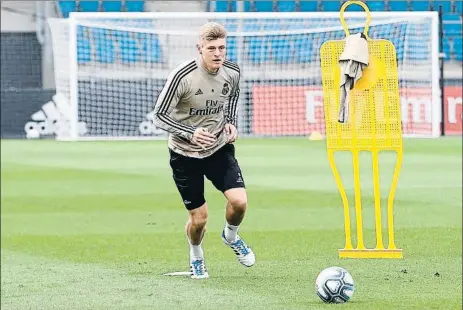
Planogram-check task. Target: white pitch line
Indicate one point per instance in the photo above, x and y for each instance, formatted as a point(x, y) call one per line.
point(177, 273)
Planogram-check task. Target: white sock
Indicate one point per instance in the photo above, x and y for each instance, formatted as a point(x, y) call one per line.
point(196, 251)
point(231, 232)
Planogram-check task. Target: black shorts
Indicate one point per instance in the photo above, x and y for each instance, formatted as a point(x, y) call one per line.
point(221, 168)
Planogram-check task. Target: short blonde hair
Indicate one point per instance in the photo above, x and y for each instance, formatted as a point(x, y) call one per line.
point(212, 31)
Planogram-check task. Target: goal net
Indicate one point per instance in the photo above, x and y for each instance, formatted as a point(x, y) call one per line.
point(110, 68)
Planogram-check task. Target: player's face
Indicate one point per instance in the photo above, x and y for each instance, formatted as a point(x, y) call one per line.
point(213, 53)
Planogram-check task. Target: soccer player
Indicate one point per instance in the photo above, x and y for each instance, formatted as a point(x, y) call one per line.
point(197, 107)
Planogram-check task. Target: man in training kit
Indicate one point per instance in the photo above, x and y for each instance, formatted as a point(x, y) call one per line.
point(197, 106)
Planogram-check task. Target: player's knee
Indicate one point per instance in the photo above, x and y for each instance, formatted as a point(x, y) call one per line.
point(199, 221)
point(198, 217)
point(239, 203)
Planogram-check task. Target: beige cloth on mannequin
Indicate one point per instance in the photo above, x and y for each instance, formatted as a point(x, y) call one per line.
point(353, 60)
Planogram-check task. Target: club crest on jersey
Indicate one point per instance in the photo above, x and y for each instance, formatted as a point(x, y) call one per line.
point(225, 89)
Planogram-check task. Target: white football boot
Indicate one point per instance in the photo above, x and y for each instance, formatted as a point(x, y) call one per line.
point(243, 252)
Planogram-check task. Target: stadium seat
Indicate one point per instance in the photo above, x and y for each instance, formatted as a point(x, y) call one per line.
point(308, 6)
point(333, 6)
point(81, 32)
point(399, 48)
point(154, 50)
point(420, 5)
point(104, 45)
point(246, 6)
point(452, 28)
point(304, 48)
point(422, 48)
point(350, 8)
point(128, 51)
point(379, 6)
point(230, 26)
point(417, 48)
point(395, 5)
point(295, 24)
point(258, 51)
point(451, 25)
point(251, 26)
point(458, 6)
point(232, 50)
point(222, 6)
point(263, 6)
point(446, 48)
point(372, 5)
point(335, 35)
point(105, 51)
point(84, 51)
point(446, 6)
point(272, 27)
point(112, 6)
point(395, 34)
point(286, 6)
point(135, 6)
point(151, 47)
point(458, 48)
point(127, 47)
point(281, 50)
point(84, 47)
point(89, 6)
point(229, 6)
point(451, 18)
point(66, 7)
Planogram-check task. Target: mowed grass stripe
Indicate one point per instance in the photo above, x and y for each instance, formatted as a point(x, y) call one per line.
point(272, 245)
point(172, 219)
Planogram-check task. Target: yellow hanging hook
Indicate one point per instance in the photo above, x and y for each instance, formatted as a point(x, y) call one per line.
point(343, 21)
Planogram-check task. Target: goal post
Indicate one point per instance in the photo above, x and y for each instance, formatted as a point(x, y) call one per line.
point(110, 68)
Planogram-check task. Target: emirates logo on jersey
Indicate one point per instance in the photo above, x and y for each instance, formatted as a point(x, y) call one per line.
point(207, 111)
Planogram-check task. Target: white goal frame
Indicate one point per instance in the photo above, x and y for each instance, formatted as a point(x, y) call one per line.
point(79, 18)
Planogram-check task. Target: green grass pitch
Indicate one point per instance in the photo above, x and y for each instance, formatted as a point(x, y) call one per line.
point(93, 225)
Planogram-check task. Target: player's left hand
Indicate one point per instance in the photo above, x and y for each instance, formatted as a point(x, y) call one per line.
point(232, 133)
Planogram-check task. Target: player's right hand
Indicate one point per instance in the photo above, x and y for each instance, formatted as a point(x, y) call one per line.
point(203, 137)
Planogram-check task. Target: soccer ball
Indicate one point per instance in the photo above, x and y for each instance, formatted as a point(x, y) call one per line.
point(334, 285)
